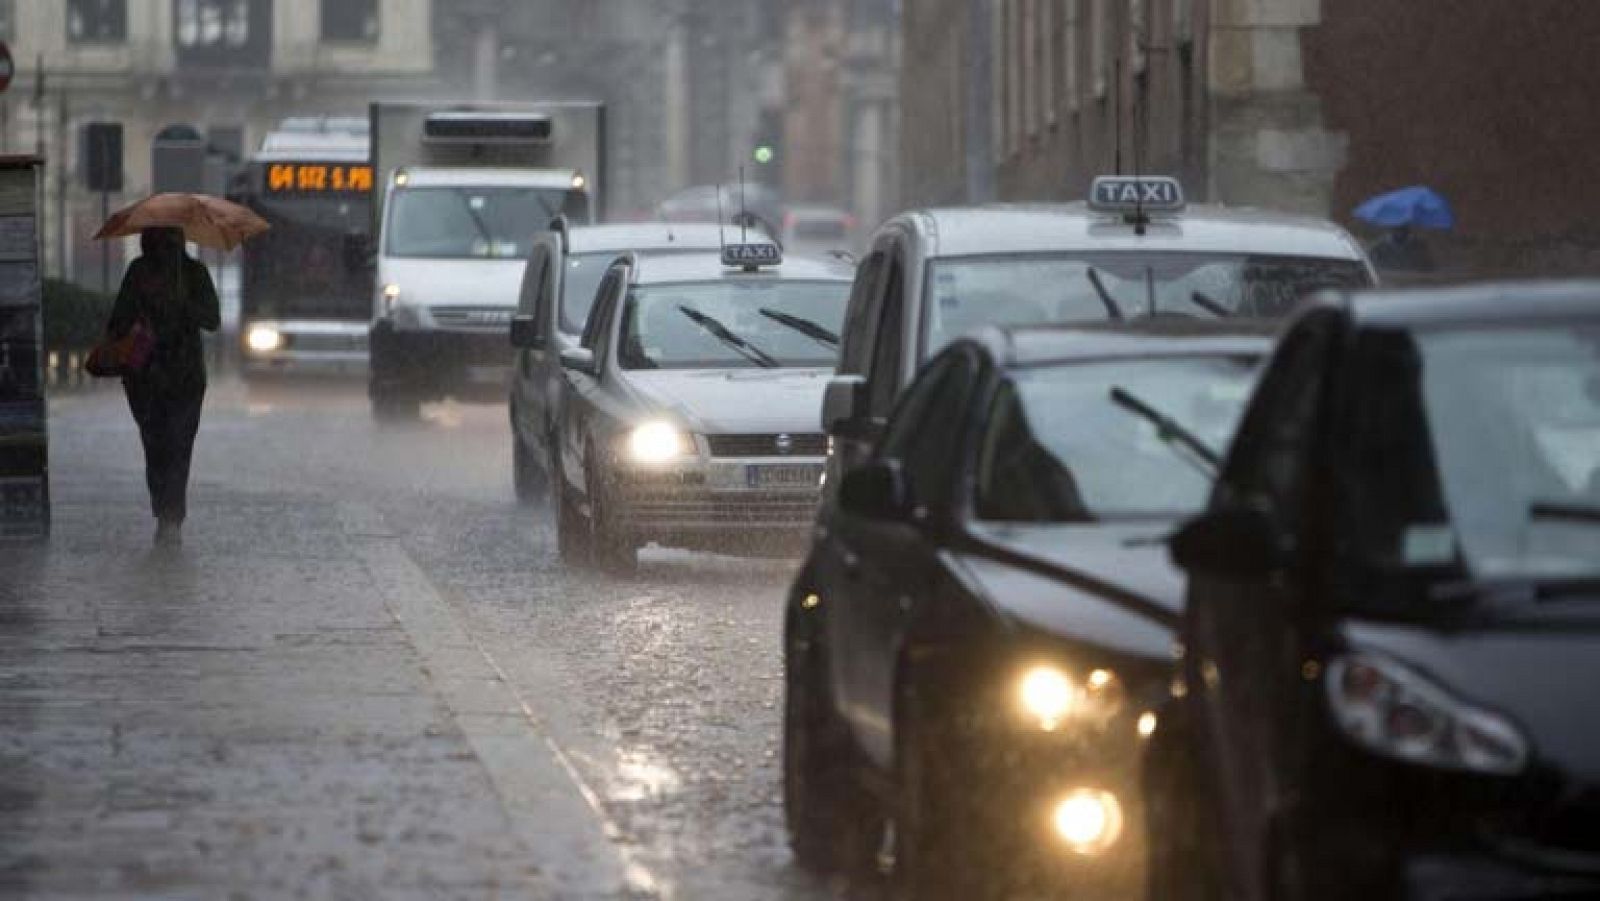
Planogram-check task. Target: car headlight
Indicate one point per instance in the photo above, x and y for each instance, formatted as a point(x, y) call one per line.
point(1050, 696)
point(1390, 710)
point(656, 442)
point(263, 339)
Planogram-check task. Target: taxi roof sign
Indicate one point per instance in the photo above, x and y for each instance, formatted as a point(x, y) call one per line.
point(1136, 195)
point(751, 256)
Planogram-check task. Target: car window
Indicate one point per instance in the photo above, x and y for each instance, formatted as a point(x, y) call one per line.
point(533, 279)
point(1280, 429)
point(884, 375)
point(1065, 444)
point(922, 433)
point(732, 323)
point(596, 321)
point(859, 333)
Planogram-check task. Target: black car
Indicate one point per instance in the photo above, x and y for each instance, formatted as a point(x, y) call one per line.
point(980, 638)
point(1392, 635)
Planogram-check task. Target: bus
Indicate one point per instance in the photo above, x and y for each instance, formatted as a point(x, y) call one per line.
point(305, 286)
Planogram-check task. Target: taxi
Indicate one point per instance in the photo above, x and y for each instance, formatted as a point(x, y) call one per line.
point(689, 415)
point(1134, 249)
point(984, 665)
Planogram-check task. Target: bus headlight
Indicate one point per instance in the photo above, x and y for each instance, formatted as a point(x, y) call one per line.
point(1088, 820)
point(656, 442)
point(263, 339)
point(579, 182)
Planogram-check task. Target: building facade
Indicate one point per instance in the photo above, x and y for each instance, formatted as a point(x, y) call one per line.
point(1303, 105)
point(228, 68)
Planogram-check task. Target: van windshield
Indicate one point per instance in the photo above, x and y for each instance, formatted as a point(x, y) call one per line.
point(968, 293)
point(472, 222)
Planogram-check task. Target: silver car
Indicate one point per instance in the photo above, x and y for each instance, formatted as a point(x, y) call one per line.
point(689, 418)
point(558, 289)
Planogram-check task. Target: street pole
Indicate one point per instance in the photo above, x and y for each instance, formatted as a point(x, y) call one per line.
point(105, 246)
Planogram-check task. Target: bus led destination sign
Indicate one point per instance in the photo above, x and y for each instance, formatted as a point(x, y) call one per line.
point(318, 178)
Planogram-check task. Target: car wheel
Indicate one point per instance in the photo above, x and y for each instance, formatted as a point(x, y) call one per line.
point(611, 548)
point(572, 531)
point(530, 480)
point(835, 826)
point(1183, 861)
point(942, 846)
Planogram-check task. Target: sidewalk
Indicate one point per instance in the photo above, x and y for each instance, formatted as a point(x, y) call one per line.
point(244, 718)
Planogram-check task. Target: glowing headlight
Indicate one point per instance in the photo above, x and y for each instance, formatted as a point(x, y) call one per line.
point(1088, 820)
point(391, 293)
point(655, 442)
point(1047, 695)
point(579, 182)
point(263, 339)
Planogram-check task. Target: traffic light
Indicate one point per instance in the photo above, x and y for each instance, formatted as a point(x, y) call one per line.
point(764, 154)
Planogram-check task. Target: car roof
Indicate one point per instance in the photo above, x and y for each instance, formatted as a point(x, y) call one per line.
point(626, 236)
point(438, 176)
point(1200, 228)
point(677, 268)
point(1057, 344)
point(1488, 303)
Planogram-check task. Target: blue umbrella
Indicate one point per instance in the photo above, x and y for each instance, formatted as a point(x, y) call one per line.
point(1415, 205)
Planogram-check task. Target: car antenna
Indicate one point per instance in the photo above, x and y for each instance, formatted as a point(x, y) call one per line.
point(722, 242)
point(744, 215)
point(661, 213)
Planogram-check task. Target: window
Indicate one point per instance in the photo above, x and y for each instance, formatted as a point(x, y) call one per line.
point(213, 23)
point(889, 345)
point(97, 21)
point(350, 20)
point(1070, 55)
point(8, 17)
point(1029, 53)
point(1049, 43)
point(919, 436)
point(1280, 429)
point(858, 332)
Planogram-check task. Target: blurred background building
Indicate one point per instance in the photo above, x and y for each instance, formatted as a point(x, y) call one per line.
point(1309, 105)
point(801, 93)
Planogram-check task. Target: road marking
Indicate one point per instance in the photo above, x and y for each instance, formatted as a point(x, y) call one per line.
point(558, 815)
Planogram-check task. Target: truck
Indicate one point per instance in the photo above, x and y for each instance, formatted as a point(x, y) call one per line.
point(304, 289)
point(465, 188)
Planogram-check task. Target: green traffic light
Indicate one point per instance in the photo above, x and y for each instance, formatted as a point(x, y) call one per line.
point(764, 154)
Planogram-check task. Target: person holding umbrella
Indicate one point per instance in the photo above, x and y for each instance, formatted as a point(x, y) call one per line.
point(1401, 212)
point(167, 298)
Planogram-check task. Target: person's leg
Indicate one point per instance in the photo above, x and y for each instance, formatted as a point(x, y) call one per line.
point(182, 426)
point(146, 414)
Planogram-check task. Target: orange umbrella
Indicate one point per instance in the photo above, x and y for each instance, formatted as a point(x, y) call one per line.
point(205, 220)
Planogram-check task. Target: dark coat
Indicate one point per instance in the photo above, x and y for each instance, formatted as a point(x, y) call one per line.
point(177, 308)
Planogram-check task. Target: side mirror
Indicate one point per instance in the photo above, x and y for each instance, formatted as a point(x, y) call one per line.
point(843, 402)
point(876, 490)
point(525, 333)
point(1240, 541)
point(578, 359)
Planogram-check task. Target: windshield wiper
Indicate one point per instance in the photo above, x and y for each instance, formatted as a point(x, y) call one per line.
point(1566, 511)
point(726, 335)
point(1112, 310)
point(804, 326)
point(1210, 306)
point(1170, 431)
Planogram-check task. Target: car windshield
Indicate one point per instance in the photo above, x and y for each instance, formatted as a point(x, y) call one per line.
point(471, 223)
point(965, 294)
point(733, 323)
point(1479, 448)
point(1063, 443)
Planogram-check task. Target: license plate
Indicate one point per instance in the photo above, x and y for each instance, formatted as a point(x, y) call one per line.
point(487, 375)
point(783, 476)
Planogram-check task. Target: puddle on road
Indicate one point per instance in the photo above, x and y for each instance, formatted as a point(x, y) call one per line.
point(642, 777)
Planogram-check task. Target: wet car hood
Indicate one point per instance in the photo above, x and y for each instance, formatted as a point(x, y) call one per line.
point(1111, 585)
point(454, 283)
point(1546, 678)
point(722, 401)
